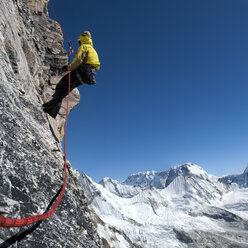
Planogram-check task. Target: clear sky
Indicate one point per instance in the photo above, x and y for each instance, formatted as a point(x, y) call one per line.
point(172, 88)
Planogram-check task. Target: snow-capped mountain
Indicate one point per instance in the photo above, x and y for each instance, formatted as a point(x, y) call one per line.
point(241, 180)
point(161, 180)
point(181, 207)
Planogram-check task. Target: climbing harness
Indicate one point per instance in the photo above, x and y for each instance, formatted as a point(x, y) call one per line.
point(14, 222)
point(87, 74)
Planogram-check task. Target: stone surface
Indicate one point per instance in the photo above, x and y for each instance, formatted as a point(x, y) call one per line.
point(31, 157)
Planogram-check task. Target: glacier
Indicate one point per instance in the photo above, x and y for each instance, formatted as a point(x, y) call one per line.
point(181, 207)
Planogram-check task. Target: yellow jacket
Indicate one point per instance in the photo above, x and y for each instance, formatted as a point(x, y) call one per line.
point(86, 54)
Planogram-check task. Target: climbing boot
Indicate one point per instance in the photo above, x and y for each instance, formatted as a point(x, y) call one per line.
point(52, 107)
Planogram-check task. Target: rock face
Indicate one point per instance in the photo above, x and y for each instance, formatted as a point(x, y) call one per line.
point(31, 169)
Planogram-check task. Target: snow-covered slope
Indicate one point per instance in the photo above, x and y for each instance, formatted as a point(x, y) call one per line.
point(181, 207)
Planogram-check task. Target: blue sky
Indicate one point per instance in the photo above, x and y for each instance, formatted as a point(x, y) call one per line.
point(172, 87)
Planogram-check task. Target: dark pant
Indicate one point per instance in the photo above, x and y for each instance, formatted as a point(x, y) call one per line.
point(84, 74)
point(61, 90)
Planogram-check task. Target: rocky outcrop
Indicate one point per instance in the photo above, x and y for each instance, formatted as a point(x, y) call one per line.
point(201, 239)
point(31, 157)
point(33, 44)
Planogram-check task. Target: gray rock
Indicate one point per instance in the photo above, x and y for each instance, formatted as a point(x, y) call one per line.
point(201, 239)
point(31, 157)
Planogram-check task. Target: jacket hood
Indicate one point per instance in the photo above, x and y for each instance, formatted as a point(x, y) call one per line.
point(85, 40)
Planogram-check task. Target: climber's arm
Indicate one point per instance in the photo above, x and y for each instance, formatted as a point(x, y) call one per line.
point(77, 61)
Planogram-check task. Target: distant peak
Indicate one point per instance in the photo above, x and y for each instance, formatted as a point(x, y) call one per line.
point(144, 173)
point(246, 169)
point(189, 168)
point(188, 165)
point(106, 180)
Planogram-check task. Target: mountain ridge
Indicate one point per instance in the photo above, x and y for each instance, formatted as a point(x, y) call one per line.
point(181, 207)
point(151, 177)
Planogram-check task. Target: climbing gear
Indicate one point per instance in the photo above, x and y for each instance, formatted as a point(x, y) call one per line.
point(87, 73)
point(13, 222)
point(56, 18)
point(23, 233)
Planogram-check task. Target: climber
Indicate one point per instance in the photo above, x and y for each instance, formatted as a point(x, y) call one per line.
point(83, 69)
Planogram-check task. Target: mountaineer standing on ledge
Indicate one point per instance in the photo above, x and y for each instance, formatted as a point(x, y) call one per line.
point(83, 69)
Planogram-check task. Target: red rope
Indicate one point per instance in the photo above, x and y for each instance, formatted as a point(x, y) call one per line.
point(69, 43)
point(13, 222)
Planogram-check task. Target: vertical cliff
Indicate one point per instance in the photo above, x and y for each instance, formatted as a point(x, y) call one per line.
point(31, 158)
